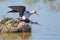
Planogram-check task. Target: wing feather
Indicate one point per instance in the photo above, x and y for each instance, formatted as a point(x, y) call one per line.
point(18, 8)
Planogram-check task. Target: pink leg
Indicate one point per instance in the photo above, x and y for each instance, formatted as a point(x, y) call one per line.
point(23, 28)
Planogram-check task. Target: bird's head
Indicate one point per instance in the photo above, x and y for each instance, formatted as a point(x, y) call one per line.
point(33, 12)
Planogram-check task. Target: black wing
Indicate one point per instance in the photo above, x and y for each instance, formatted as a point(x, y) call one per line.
point(13, 11)
point(20, 9)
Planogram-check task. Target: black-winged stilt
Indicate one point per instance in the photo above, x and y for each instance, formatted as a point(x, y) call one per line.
point(23, 14)
point(22, 11)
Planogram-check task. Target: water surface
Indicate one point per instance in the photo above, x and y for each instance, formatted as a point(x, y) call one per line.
point(49, 19)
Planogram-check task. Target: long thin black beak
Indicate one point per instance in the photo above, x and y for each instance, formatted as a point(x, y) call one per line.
point(37, 14)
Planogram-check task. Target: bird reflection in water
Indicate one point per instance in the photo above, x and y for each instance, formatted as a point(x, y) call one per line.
point(15, 36)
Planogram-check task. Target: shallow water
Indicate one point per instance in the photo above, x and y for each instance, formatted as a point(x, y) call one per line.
point(15, 36)
point(49, 19)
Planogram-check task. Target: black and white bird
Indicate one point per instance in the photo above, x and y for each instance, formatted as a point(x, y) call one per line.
point(22, 11)
point(23, 14)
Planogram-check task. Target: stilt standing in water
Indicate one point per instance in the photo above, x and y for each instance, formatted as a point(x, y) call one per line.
point(23, 14)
